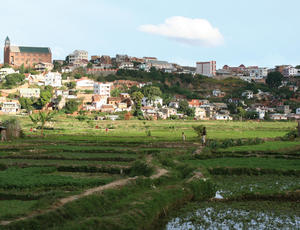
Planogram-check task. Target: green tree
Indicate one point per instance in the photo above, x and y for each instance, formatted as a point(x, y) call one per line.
point(42, 118)
point(89, 65)
point(71, 106)
point(26, 103)
point(115, 92)
point(241, 112)
point(152, 92)
point(137, 98)
point(14, 79)
point(71, 85)
point(22, 69)
point(185, 109)
point(274, 79)
point(45, 98)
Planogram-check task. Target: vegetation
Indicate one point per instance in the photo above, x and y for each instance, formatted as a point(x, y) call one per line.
point(77, 156)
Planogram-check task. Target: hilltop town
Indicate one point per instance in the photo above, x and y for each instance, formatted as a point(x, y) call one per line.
point(121, 87)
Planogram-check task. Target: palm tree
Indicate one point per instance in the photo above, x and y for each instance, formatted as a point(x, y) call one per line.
point(42, 118)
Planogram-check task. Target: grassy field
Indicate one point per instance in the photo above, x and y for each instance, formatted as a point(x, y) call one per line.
point(37, 172)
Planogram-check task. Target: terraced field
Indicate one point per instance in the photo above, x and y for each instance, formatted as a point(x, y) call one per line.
point(125, 179)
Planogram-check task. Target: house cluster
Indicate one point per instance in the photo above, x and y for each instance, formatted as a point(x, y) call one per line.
point(256, 73)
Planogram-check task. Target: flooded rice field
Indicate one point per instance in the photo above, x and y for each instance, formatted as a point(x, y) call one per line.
point(237, 215)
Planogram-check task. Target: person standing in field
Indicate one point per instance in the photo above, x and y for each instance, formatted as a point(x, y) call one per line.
point(183, 137)
point(204, 136)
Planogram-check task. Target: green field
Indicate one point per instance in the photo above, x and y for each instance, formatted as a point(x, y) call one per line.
point(37, 173)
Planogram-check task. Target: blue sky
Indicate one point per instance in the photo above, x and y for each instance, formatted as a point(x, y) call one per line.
point(252, 32)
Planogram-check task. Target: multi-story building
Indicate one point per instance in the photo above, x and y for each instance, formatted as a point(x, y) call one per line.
point(102, 89)
point(206, 68)
point(18, 55)
point(77, 57)
point(30, 92)
point(53, 79)
point(290, 71)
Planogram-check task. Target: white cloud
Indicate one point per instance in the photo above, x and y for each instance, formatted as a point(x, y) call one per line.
point(187, 30)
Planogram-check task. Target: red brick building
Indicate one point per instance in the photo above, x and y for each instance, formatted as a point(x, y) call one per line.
point(18, 55)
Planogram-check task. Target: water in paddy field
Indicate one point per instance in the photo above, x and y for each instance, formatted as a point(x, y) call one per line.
point(210, 218)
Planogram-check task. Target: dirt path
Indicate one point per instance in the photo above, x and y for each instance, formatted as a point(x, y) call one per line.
point(63, 201)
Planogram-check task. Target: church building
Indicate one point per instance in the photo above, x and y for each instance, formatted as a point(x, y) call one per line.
point(18, 55)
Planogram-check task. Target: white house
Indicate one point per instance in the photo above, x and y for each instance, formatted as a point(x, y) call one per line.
point(248, 94)
point(217, 93)
point(289, 71)
point(298, 111)
point(222, 117)
point(30, 92)
point(126, 65)
point(6, 71)
point(53, 79)
point(174, 104)
point(84, 83)
point(278, 116)
point(155, 102)
point(12, 107)
point(102, 89)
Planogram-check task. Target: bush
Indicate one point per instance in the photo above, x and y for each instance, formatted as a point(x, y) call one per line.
point(141, 168)
point(291, 135)
point(3, 167)
point(202, 190)
point(13, 129)
point(198, 129)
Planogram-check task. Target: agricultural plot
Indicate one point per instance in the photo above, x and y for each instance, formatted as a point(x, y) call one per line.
point(162, 171)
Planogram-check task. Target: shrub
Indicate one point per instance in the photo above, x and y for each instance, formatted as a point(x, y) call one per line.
point(140, 168)
point(202, 190)
point(13, 128)
point(3, 167)
point(198, 129)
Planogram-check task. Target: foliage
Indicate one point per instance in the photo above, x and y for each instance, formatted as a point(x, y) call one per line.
point(137, 98)
point(274, 79)
point(202, 190)
point(151, 92)
point(45, 97)
point(42, 118)
point(71, 106)
point(185, 109)
point(141, 168)
point(26, 103)
point(13, 128)
point(71, 85)
point(198, 129)
point(14, 79)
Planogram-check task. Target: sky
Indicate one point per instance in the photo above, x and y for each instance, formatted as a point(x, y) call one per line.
point(233, 32)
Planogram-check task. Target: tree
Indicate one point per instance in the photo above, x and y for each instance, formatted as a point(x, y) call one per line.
point(241, 112)
point(115, 92)
point(42, 118)
point(89, 65)
point(152, 92)
point(71, 85)
point(71, 106)
point(274, 79)
point(186, 109)
point(45, 98)
point(22, 69)
point(137, 98)
point(26, 103)
point(14, 79)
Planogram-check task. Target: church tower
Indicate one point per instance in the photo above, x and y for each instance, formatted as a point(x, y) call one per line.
point(7, 51)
